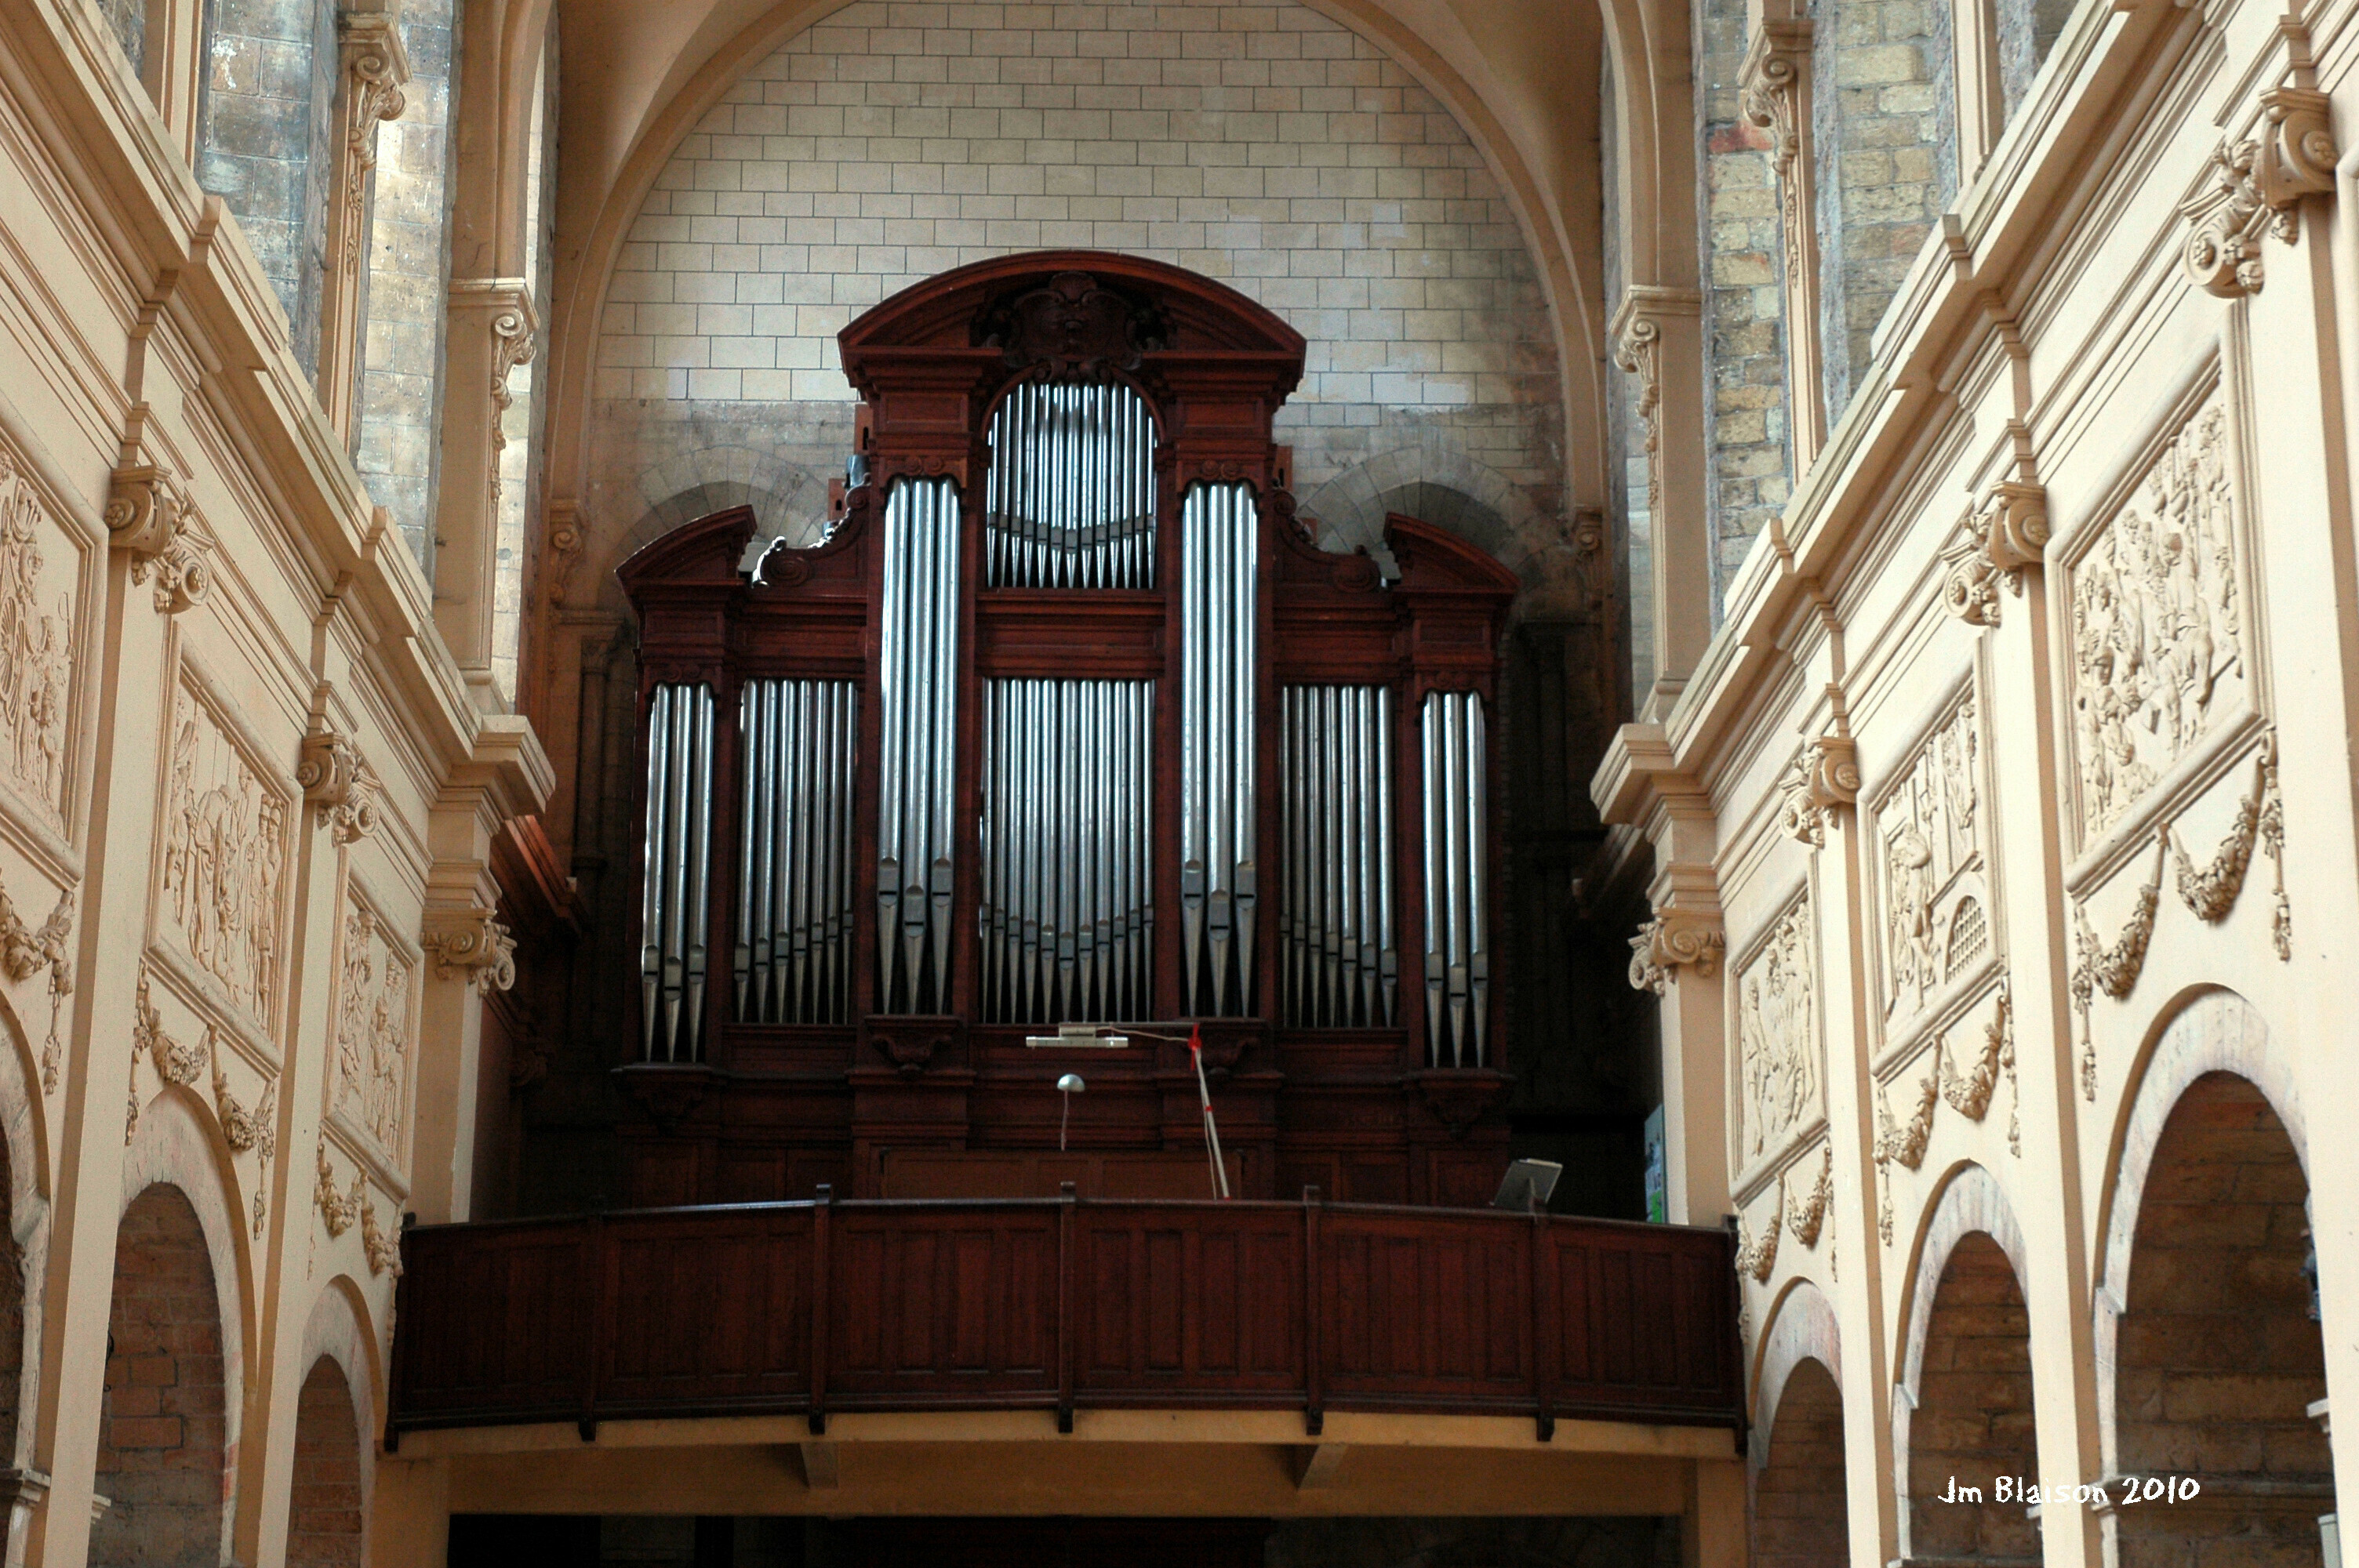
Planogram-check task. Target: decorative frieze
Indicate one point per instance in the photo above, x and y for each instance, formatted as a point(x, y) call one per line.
point(26, 951)
point(338, 785)
point(150, 516)
point(1776, 1033)
point(1675, 939)
point(1825, 776)
point(2258, 187)
point(37, 616)
point(224, 857)
point(373, 1032)
point(468, 945)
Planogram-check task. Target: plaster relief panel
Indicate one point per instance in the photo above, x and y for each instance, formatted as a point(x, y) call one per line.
point(40, 573)
point(1777, 1035)
point(1930, 868)
point(2156, 621)
point(225, 826)
point(374, 1032)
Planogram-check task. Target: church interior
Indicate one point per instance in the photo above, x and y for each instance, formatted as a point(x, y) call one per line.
point(1257, 784)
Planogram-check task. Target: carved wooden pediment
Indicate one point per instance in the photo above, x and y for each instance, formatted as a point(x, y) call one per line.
point(1076, 327)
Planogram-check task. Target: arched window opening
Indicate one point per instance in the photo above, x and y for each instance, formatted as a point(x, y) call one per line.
point(1800, 1508)
point(1971, 1451)
point(324, 1518)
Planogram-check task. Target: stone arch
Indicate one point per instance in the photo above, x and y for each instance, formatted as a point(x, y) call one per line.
point(1435, 482)
point(1801, 1509)
point(1801, 1327)
point(164, 1451)
point(2207, 1352)
point(1961, 1404)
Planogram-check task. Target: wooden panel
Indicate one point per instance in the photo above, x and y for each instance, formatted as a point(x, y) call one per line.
point(494, 1322)
point(1188, 1300)
point(669, 1337)
point(955, 1300)
point(1438, 1307)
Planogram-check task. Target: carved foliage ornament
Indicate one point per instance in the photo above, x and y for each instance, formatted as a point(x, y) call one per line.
point(384, 1250)
point(37, 660)
point(468, 945)
point(337, 1209)
point(252, 1131)
point(338, 784)
point(1673, 938)
point(2155, 624)
point(1776, 1034)
point(376, 66)
point(1995, 543)
point(2257, 185)
point(1075, 327)
point(149, 514)
point(1826, 776)
point(1903, 1142)
point(26, 951)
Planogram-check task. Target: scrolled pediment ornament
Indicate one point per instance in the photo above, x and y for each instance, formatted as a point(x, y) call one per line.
point(1075, 327)
point(1825, 776)
point(150, 516)
point(1675, 939)
point(468, 945)
point(2257, 188)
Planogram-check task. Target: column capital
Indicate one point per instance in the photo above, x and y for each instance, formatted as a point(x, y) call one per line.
point(2258, 183)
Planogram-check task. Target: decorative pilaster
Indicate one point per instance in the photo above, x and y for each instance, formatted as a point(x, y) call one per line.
point(493, 328)
point(468, 944)
point(1657, 337)
point(1775, 89)
point(151, 518)
point(2258, 187)
point(374, 66)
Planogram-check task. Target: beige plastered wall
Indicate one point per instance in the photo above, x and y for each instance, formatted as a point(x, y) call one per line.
point(1900, 721)
point(242, 797)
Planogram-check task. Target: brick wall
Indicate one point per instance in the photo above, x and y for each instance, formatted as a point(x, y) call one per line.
point(160, 1451)
point(408, 283)
point(1972, 1420)
point(2028, 29)
point(262, 133)
point(1262, 144)
point(1798, 1508)
point(1886, 145)
point(324, 1526)
point(1744, 302)
point(12, 1315)
point(2218, 1356)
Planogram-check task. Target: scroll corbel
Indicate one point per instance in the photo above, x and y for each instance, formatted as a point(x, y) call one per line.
point(468, 944)
point(1675, 939)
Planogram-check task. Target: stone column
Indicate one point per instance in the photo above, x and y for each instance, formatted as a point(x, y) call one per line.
point(372, 68)
point(157, 569)
point(1658, 336)
point(1775, 86)
point(491, 330)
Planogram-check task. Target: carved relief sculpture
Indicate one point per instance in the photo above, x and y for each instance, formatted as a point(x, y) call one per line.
point(224, 859)
point(1674, 938)
point(37, 661)
point(1776, 1033)
point(2157, 651)
point(1936, 903)
point(468, 945)
point(2258, 187)
point(373, 1032)
point(26, 951)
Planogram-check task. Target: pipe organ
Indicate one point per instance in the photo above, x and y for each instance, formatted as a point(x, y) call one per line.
point(1067, 730)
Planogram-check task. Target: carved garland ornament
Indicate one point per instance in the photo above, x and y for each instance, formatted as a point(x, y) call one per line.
point(1755, 1259)
point(1969, 1093)
point(1903, 1144)
point(255, 1131)
point(2111, 967)
point(1674, 938)
point(149, 516)
point(384, 1251)
point(37, 661)
point(174, 1061)
point(337, 1209)
point(468, 945)
point(1826, 776)
point(2256, 188)
point(26, 951)
point(1806, 1217)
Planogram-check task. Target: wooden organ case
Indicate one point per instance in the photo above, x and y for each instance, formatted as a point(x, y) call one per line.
point(1068, 723)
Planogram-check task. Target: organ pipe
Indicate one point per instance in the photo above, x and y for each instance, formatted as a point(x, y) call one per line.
point(1066, 835)
point(1219, 538)
point(679, 854)
point(793, 958)
point(1457, 949)
point(1339, 965)
point(918, 707)
point(1071, 500)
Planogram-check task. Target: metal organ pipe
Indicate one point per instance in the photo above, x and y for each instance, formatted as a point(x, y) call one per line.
point(1457, 946)
point(673, 917)
point(794, 901)
point(1336, 926)
point(1071, 500)
point(1220, 535)
point(918, 692)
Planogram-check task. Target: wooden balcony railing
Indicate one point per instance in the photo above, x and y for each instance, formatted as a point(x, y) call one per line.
point(811, 1308)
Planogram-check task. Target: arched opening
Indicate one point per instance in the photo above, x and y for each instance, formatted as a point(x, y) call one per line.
point(163, 1431)
point(323, 1525)
point(1800, 1513)
point(1972, 1450)
point(2220, 1354)
point(12, 1313)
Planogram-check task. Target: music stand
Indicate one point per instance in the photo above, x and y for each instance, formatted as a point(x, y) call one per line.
point(1525, 1187)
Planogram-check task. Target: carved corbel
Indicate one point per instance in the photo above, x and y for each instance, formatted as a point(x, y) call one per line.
point(468, 945)
point(563, 547)
point(1774, 88)
point(338, 785)
point(374, 66)
point(1638, 349)
point(151, 517)
point(2258, 187)
point(1674, 939)
point(1826, 776)
point(514, 339)
point(2006, 532)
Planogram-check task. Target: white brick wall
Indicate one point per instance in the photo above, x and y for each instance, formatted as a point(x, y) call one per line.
point(1259, 144)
